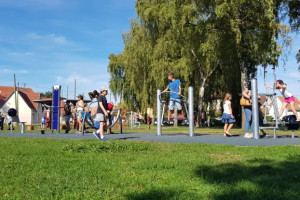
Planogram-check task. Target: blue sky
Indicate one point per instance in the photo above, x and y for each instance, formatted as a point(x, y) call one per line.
point(50, 42)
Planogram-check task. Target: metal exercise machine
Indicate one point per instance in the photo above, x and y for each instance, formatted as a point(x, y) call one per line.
point(290, 123)
point(189, 108)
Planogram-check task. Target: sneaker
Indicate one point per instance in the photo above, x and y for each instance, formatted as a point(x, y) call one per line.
point(246, 135)
point(251, 135)
point(103, 139)
point(97, 135)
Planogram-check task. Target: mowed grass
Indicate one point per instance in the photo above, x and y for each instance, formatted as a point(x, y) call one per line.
point(36, 168)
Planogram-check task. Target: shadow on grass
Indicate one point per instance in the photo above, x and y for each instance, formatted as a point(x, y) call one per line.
point(254, 179)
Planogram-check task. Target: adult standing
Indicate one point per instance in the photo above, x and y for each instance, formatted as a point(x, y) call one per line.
point(102, 114)
point(68, 113)
point(248, 112)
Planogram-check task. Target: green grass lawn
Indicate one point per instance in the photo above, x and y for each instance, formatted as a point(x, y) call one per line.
point(39, 168)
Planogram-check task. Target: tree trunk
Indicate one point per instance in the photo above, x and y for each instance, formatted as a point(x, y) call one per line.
point(244, 84)
point(201, 102)
point(175, 116)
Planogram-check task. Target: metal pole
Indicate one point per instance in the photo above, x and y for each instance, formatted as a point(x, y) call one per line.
point(255, 115)
point(51, 110)
point(158, 113)
point(120, 123)
point(131, 120)
point(15, 92)
point(75, 88)
point(191, 111)
point(58, 123)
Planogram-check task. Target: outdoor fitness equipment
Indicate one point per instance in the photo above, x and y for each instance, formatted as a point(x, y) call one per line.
point(133, 119)
point(189, 110)
point(12, 113)
point(87, 118)
point(182, 99)
point(290, 121)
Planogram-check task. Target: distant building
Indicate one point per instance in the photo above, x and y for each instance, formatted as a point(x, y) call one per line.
point(28, 111)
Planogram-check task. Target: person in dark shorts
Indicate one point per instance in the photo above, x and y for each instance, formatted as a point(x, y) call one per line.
point(68, 113)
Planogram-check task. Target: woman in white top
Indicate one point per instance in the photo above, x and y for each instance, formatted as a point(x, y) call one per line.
point(79, 110)
point(288, 97)
point(227, 117)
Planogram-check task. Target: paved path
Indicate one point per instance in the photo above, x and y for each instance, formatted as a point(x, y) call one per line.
point(237, 140)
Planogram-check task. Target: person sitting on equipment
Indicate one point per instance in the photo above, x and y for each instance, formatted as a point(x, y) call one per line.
point(288, 97)
point(174, 86)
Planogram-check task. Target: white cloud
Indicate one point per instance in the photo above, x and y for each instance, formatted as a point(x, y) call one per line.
point(49, 38)
point(295, 75)
point(18, 54)
point(85, 83)
point(71, 78)
point(13, 71)
point(43, 4)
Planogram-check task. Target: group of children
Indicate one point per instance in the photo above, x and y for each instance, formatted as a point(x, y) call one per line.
point(228, 118)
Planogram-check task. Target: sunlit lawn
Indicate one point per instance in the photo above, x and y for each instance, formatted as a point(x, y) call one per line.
point(39, 168)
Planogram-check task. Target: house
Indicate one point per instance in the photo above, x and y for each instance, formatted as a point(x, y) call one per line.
point(268, 108)
point(28, 111)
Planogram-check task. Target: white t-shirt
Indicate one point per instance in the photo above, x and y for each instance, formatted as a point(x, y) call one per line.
point(285, 93)
point(226, 107)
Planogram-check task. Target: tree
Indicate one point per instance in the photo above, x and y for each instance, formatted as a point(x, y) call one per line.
point(47, 94)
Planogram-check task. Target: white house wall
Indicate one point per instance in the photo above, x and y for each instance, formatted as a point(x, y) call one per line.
point(25, 113)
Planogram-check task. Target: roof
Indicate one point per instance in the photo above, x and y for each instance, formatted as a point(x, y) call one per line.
point(26, 93)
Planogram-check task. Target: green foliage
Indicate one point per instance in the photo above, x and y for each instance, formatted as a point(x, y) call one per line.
point(39, 168)
point(47, 94)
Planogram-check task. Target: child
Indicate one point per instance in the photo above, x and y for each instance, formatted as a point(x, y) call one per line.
point(79, 110)
point(288, 97)
point(149, 122)
point(110, 108)
point(227, 117)
point(102, 114)
point(43, 121)
point(175, 87)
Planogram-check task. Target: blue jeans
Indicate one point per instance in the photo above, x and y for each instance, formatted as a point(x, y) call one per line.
point(248, 122)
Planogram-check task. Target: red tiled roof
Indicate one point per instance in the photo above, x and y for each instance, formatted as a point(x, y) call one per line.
point(27, 94)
